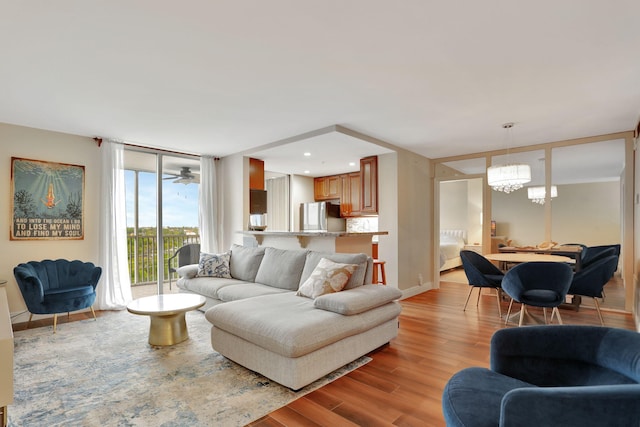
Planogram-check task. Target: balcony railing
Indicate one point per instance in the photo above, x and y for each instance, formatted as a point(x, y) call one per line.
point(143, 256)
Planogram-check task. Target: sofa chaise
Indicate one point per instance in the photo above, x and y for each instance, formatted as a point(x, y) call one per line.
point(264, 318)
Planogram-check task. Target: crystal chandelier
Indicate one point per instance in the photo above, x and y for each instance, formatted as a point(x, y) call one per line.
point(539, 194)
point(509, 177)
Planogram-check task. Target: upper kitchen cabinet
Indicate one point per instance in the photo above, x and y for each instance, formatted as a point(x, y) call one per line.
point(369, 185)
point(327, 187)
point(357, 191)
point(256, 174)
point(350, 198)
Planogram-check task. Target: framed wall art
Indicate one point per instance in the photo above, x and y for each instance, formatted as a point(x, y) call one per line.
point(47, 200)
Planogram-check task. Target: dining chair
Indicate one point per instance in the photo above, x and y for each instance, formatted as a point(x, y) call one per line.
point(590, 281)
point(539, 284)
point(595, 253)
point(481, 273)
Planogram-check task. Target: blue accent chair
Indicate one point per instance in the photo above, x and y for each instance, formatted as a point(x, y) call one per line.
point(538, 284)
point(481, 273)
point(52, 287)
point(590, 281)
point(586, 376)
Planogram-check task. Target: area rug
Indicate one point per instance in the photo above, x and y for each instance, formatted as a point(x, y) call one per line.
point(104, 372)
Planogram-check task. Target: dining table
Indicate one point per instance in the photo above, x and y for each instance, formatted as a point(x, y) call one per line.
point(572, 251)
point(505, 259)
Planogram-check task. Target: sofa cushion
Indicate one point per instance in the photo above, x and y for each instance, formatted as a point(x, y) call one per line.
point(328, 277)
point(281, 268)
point(245, 262)
point(246, 290)
point(207, 286)
point(358, 276)
point(289, 325)
point(358, 300)
point(214, 265)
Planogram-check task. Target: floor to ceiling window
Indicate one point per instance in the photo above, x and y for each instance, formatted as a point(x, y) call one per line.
point(162, 212)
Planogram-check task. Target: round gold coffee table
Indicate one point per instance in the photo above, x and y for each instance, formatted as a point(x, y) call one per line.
point(167, 313)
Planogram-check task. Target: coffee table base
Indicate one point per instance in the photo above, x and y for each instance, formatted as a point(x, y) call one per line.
point(168, 329)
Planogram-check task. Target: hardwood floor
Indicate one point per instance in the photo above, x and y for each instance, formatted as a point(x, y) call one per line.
point(403, 384)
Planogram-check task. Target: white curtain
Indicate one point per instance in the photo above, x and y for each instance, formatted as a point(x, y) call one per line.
point(278, 203)
point(114, 288)
point(210, 206)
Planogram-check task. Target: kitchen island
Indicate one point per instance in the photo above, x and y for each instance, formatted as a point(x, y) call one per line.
point(323, 241)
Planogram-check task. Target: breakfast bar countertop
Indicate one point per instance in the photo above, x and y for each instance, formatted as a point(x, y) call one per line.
point(314, 233)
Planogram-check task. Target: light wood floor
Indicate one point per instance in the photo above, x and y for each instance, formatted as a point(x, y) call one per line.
point(403, 384)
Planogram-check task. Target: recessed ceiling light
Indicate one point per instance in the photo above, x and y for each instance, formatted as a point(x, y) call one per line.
point(307, 154)
point(307, 171)
point(352, 163)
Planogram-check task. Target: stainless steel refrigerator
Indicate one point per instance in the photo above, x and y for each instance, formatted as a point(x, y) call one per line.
point(321, 216)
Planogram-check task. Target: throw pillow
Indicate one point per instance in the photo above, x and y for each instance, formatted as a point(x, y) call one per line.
point(326, 278)
point(214, 265)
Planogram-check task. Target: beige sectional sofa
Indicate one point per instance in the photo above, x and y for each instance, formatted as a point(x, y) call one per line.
point(259, 322)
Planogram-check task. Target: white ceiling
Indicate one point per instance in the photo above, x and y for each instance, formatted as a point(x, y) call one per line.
point(222, 77)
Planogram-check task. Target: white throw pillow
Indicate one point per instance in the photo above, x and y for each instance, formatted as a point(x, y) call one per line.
point(214, 265)
point(326, 278)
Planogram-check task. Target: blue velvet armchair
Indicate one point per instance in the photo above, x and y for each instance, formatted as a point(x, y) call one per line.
point(60, 286)
point(551, 376)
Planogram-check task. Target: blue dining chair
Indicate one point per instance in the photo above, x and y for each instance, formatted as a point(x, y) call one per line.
point(539, 284)
point(590, 281)
point(481, 273)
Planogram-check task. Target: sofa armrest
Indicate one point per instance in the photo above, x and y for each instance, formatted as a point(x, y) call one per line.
point(188, 271)
point(357, 300)
point(584, 406)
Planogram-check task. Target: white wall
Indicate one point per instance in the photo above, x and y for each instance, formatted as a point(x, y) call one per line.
point(16, 141)
point(412, 221)
point(474, 203)
point(594, 207)
point(454, 205)
point(461, 207)
point(582, 213)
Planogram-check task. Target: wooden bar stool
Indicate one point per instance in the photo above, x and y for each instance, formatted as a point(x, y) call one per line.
point(377, 278)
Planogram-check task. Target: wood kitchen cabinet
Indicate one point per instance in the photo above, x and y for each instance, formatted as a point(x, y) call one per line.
point(369, 185)
point(350, 197)
point(357, 191)
point(327, 187)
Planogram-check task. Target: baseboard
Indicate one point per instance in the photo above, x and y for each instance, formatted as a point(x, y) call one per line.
point(416, 290)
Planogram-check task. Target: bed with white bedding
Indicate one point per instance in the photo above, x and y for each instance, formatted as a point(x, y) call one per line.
point(451, 243)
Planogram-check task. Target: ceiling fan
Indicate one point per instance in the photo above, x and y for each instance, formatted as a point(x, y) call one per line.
point(185, 176)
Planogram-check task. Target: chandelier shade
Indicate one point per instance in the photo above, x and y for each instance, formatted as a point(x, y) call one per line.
point(539, 194)
point(508, 178)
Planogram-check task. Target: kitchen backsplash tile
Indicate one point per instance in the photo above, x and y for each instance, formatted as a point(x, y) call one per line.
point(362, 224)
